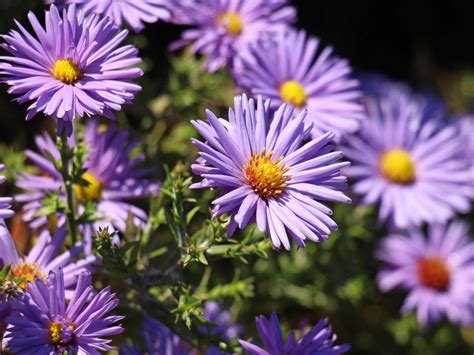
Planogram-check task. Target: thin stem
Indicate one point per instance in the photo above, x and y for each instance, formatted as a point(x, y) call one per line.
point(68, 184)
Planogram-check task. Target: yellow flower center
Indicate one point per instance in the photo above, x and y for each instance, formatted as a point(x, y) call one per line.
point(91, 192)
point(27, 271)
point(265, 176)
point(398, 166)
point(66, 70)
point(433, 272)
point(56, 330)
point(293, 93)
point(232, 21)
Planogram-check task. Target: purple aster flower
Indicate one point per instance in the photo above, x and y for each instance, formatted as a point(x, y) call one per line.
point(5, 202)
point(437, 270)
point(43, 322)
point(114, 178)
point(268, 174)
point(44, 257)
point(74, 67)
point(158, 339)
point(222, 318)
point(407, 158)
point(293, 68)
point(223, 29)
point(135, 12)
point(319, 340)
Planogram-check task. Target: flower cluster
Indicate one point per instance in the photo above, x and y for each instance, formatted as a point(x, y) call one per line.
point(302, 130)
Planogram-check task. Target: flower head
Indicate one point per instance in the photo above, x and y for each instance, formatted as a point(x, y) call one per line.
point(406, 158)
point(437, 270)
point(214, 313)
point(44, 257)
point(134, 12)
point(291, 68)
point(42, 319)
point(5, 202)
point(222, 30)
point(158, 339)
point(74, 66)
point(319, 340)
point(268, 174)
point(113, 176)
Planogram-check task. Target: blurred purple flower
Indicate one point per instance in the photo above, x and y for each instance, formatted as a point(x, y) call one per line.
point(74, 67)
point(438, 272)
point(407, 158)
point(42, 321)
point(134, 12)
point(44, 257)
point(158, 339)
point(5, 202)
point(268, 173)
point(465, 124)
point(318, 341)
point(223, 29)
point(293, 68)
point(222, 318)
point(114, 177)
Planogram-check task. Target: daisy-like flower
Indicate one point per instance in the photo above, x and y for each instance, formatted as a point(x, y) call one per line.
point(268, 174)
point(222, 318)
point(43, 322)
point(44, 257)
point(5, 202)
point(134, 12)
point(437, 270)
point(114, 178)
point(293, 68)
point(75, 66)
point(158, 339)
point(223, 29)
point(319, 340)
point(406, 158)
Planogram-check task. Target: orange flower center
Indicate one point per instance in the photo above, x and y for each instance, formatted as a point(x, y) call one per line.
point(265, 176)
point(28, 272)
point(433, 272)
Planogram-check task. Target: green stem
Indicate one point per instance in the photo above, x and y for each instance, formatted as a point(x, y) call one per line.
point(69, 188)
